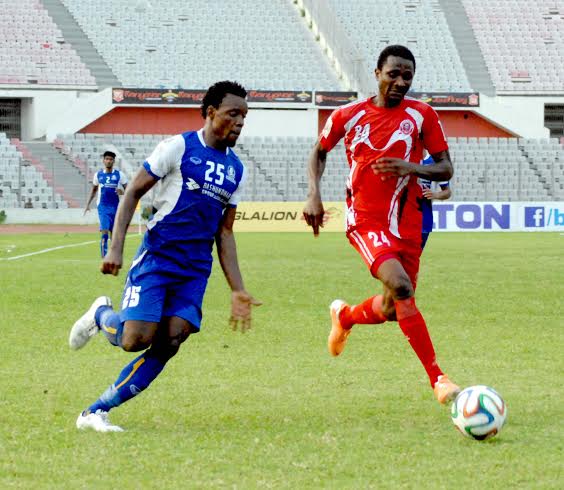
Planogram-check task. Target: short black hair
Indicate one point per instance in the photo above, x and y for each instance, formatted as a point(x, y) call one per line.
point(216, 93)
point(395, 50)
point(110, 154)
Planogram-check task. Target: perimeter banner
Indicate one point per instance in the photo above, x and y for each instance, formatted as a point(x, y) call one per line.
point(442, 99)
point(285, 216)
point(157, 96)
point(293, 96)
point(334, 99)
point(448, 216)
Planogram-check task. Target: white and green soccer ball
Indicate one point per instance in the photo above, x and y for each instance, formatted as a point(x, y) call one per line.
point(479, 412)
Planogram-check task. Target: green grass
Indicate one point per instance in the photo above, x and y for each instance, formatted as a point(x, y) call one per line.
point(270, 408)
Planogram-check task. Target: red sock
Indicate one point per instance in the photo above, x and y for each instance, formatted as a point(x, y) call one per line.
point(367, 312)
point(413, 327)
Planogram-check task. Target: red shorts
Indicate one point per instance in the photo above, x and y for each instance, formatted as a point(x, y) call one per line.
point(376, 245)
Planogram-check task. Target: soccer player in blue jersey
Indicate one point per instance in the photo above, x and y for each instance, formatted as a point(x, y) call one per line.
point(430, 190)
point(201, 180)
point(107, 184)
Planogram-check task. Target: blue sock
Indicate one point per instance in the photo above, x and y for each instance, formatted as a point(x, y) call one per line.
point(110, 324)
point(134, 378)
point(104, 244)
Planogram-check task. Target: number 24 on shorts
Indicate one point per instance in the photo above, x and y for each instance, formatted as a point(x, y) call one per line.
point(131, 297)
point(379, 240)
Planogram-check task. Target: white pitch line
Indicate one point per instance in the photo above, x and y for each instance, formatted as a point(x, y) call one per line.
point(44, 251)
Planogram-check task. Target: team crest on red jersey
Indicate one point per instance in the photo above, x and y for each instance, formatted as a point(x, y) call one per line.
point(407, 127)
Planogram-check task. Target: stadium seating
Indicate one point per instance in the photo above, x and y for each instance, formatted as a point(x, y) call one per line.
point(192, 45)
point(33, 50)
point(419, 25)
point(522, 42)
point(85, 151)
point(21, 180)
point(486, 169)
point(496, 169)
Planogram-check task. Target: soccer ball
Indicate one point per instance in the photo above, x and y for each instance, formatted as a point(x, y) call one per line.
point(479, 412)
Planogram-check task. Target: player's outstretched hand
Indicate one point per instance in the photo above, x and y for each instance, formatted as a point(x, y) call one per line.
point(241, 304)
point(112, 263)
point(313, 214)
point(389, 167)
point(85, 211)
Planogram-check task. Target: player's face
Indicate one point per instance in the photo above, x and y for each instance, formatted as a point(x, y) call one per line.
point(228, 119)
point(395, 79)
point(108, 162)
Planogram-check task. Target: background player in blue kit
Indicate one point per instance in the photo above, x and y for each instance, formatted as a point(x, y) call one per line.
point(107, 184)
point(201, 183)
point(437, 190)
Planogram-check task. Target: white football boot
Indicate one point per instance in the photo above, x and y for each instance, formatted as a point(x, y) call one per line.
point(99, 421)
point(85, 327)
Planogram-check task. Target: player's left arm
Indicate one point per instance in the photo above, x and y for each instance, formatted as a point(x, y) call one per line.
point(434, 140)
point(442, 169)
point(241, 300)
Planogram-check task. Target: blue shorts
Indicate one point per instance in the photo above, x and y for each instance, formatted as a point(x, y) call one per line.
point(106, 217)
point(150, 294)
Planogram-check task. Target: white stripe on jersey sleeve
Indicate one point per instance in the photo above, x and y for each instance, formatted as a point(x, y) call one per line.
point(236, 196)
point(95, 179)
point(166, 156)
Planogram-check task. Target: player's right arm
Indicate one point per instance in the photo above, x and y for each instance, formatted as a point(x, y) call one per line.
point(313, 209)
point(333, 131)
point(141, 184)
point(92, 193)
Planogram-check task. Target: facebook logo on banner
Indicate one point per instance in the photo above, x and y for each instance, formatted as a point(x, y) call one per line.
point(534, 217)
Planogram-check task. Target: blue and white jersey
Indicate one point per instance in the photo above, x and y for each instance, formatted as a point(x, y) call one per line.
point(108, 184)
point(197, 183)
point(427, 204)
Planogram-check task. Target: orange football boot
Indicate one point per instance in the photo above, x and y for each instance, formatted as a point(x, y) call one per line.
point(338, 335)
point(445, 390)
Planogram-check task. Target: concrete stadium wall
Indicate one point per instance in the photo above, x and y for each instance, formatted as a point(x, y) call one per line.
point(40, 107)
point(522, 115)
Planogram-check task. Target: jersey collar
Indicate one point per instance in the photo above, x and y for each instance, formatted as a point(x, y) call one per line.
point(200, 134)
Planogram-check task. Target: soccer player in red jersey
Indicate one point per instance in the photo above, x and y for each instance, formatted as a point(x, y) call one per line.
point(385, 137)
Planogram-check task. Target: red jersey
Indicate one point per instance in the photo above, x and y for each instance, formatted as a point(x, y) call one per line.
point(373, 132)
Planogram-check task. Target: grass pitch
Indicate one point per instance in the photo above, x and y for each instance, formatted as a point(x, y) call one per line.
point(271, 409)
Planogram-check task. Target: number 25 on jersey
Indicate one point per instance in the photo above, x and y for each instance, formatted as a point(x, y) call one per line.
point(215, 173)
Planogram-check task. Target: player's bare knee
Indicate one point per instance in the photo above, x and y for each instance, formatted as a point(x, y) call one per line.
point(135, 341)
point(176, 340)
point(401, 288)
point(178, 331)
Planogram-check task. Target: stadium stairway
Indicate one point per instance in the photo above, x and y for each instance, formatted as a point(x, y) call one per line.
point(75, 36)
point(253, 165)
point(467, 46)
point(548, 186)
point(58, 172)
